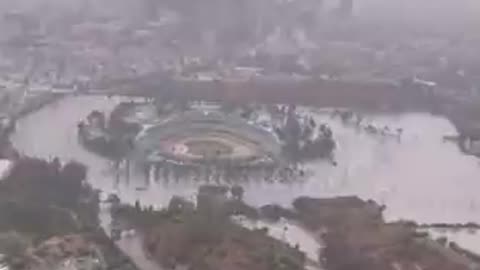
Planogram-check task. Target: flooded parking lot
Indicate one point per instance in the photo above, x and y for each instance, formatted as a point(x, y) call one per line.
point(418, 177)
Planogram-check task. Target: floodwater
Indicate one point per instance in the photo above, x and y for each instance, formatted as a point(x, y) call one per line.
point(467, 239)
point(418, 177)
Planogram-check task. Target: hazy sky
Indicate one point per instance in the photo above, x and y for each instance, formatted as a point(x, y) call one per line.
point(446, 9)
point(433, 12)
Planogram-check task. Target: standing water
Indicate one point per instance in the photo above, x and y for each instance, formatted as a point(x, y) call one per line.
point(418, 177)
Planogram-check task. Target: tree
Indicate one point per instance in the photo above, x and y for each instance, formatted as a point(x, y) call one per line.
point(138, 207)
point(56, 165)
point(237, 192)
point(97, 116)
point(75, 173)
point(70, 182)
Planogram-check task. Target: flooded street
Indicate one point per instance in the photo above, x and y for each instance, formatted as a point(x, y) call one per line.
point(418, 177)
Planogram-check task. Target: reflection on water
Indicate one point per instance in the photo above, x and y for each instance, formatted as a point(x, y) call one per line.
point(420, 178)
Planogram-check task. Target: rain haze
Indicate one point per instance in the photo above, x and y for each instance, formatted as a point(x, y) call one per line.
point(239, 134)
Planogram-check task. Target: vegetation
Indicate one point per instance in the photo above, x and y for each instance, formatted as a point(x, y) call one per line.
point(206, 237)
point(40, 199)
point(212, 242)
point(111, 141)
point(356, 237)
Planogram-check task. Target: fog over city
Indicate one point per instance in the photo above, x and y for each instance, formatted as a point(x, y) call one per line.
point(239, 134)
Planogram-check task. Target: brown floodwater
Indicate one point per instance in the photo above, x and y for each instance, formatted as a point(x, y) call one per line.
point(419, 177)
